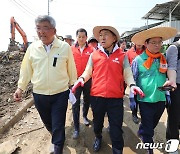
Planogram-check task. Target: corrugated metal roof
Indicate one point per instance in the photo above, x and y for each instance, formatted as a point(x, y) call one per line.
point(161, 11)
point(128, 34)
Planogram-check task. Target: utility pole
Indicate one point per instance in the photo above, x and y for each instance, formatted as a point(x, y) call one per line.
point(48, 7)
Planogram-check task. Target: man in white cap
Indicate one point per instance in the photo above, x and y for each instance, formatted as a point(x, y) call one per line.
point(149, 71)
point(109, 68)
point(68, 39)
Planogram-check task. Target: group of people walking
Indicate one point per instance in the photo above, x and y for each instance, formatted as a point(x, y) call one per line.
point(101, 72)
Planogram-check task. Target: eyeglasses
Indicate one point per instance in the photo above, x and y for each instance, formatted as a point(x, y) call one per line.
point(156, 43)
point(38, 29)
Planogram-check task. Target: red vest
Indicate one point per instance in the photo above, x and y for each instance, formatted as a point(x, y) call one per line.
point(81, 59)
point(131, 54)
point(107, 76)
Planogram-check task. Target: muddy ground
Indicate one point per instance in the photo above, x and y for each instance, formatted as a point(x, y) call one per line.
point(9, 72)
point(29, 136)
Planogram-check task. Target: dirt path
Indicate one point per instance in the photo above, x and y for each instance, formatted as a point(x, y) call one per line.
point(29, 136)
point(38, 141)
point(32, 138)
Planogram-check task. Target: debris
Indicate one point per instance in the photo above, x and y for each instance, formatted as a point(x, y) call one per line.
point(8, 147)
point(10, 67)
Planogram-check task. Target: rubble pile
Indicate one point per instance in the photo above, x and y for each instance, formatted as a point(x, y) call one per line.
point(9, 73)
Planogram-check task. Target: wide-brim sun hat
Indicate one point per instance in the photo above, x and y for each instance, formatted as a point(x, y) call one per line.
point(68, 37)
point(97, 29)
point(164, 32)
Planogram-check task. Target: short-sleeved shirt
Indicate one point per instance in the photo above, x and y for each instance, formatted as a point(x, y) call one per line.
point(172, 60)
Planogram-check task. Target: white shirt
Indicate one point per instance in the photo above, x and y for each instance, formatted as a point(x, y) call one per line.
point(48, 47)
point(81, 49)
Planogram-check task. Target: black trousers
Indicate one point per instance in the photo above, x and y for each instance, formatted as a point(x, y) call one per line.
point(86, 103)
point(150, 116)
point(52, 110)
point(172, 131)
point(115, 111)
point(134, 112)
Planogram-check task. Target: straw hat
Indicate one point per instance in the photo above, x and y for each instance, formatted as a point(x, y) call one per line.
point(97, 29)
point(164, 32)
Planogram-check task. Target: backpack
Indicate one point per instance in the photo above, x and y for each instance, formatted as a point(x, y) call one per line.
point(177, 44)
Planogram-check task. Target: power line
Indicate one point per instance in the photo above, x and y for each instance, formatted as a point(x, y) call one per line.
point(29, 2)
point(28, 7)
point(24, 10)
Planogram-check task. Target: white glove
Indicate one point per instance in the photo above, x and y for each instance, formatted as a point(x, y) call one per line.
point(136, 90)
point(79, 82)
point(72, 98)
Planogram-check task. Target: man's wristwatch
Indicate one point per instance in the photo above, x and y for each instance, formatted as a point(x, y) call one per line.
point(132, 85)
point(82, 78)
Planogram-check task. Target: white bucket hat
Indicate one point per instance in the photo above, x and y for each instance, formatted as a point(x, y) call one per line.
point(68, 37)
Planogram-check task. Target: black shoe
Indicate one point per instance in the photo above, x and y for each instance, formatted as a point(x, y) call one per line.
point(135, 119)
point(97, 144)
